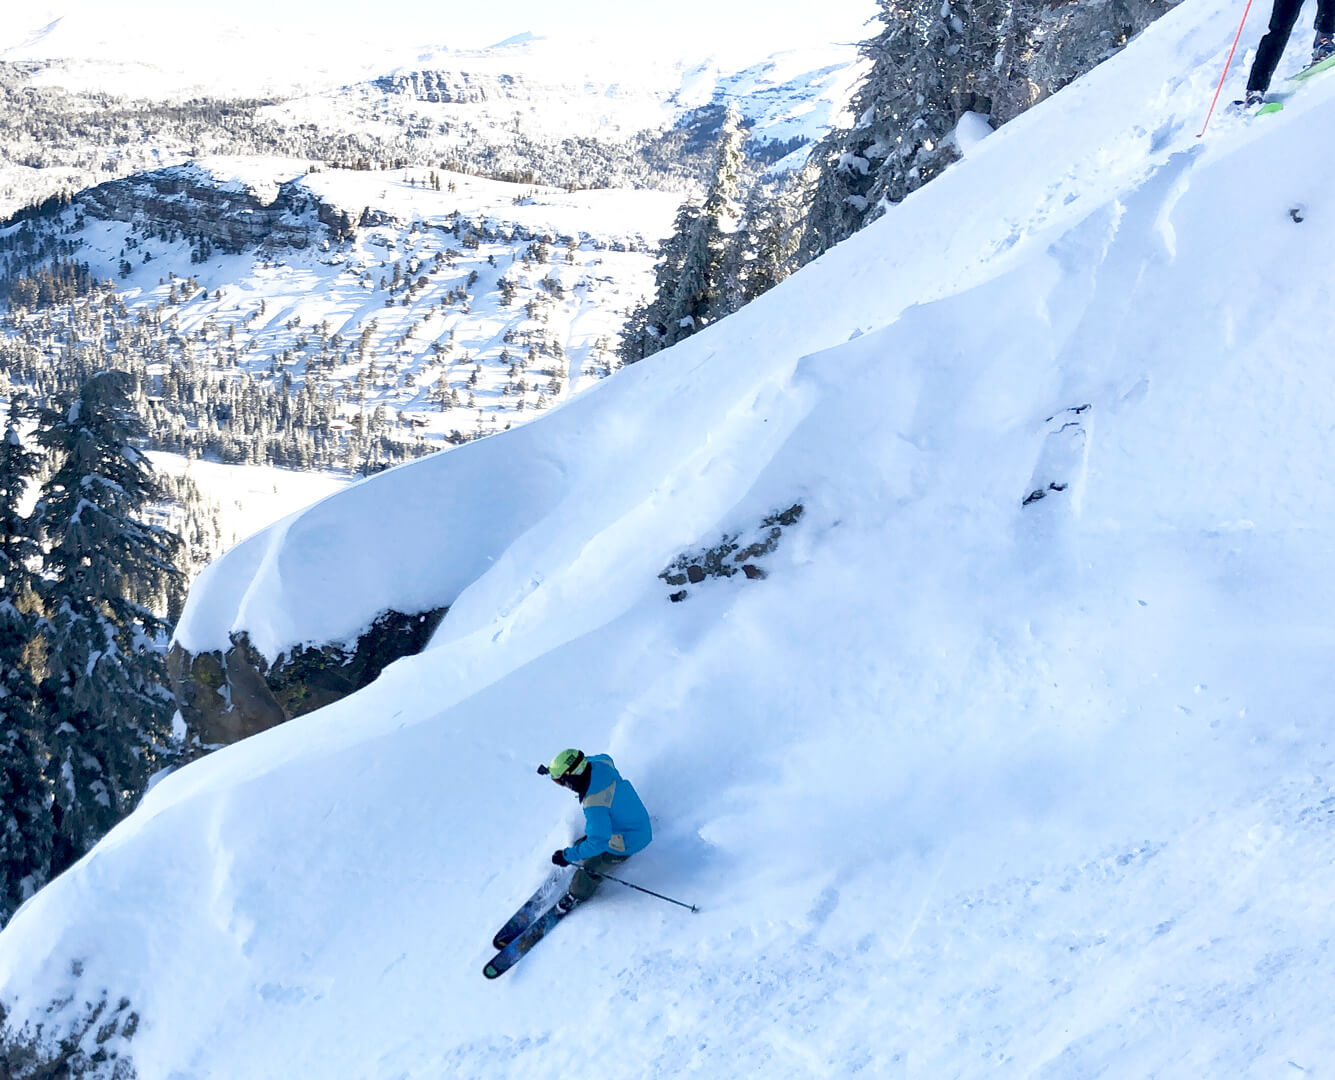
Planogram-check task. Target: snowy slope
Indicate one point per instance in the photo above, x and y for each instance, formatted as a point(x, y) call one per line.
point(273, 310)
point(964, 787)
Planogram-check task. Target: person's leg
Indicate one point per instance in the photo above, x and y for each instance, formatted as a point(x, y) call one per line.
point(585, 884)
point(1325, 18)
point(1323, 48)
point(1282, 21)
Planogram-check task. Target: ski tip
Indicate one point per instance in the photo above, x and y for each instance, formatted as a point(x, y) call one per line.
point(491, 971)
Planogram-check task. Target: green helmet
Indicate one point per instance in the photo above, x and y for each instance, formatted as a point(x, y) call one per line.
point(568, 763)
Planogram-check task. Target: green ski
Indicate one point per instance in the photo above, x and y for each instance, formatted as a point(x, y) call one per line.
point(1277, 105)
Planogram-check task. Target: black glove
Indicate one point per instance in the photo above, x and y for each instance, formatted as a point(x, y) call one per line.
point(559, 858)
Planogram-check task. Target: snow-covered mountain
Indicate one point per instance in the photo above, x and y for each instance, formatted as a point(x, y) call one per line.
point(570, 109)
point(1013, 760)
point(453, 305)
point(564, 87)
point(151, 49)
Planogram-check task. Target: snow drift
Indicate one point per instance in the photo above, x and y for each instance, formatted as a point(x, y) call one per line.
point(973, 782)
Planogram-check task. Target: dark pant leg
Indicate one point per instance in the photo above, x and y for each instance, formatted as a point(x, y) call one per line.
point(1325, 17)
point(584, 884)
point(1282, 21)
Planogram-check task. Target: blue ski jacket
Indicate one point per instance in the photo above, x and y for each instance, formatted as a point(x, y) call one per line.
point(615, 820)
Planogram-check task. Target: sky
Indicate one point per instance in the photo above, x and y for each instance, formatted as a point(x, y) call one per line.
point(255, 47)
point(776, 23)
point(781, 20)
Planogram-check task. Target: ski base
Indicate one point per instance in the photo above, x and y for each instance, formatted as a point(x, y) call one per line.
point(533, 906)
point(509, 956)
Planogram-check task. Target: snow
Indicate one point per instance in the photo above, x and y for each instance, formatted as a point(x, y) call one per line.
point(972, 129)
point(272, 304)
point(592, 85)
point(588, 80)
point(964, 787)
point(250, 498)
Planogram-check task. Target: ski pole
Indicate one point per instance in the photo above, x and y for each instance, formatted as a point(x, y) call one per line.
point(609, 877)
point(1227, 64)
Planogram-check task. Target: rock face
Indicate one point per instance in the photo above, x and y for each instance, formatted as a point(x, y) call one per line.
point(84, 1038)
point(734, 553)
point(227, 696)
point(225, 214)
point(458, 87)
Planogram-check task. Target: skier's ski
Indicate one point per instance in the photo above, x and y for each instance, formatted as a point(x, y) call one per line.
point(1275, 103)
point(1315, 69)
point(509, 956)
point(535, 904)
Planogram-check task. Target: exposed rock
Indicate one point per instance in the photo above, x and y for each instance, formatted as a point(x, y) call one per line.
point(731, 554)
point(227, 215)
point(59, 1048)
point(458, 87)
point(227, 696)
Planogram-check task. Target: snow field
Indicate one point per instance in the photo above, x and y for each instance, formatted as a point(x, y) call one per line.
point(250, 498)
point(964, 787)
point(288, 302)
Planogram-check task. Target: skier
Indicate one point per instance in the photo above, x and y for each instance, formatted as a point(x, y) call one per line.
point(616, 824)
point(1282, 20)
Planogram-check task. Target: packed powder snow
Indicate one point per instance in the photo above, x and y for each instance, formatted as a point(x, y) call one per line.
point(970, 782)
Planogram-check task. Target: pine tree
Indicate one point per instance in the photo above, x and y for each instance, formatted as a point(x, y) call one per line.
point(763, 251)
point(26, 826)
point(689, 276)
point(104, 685)
point(721, 215)
point(18, 542)
point(848, 163)
point(933, 62)
point(646, 331)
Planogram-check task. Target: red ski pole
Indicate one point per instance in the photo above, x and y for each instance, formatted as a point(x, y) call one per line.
point(1227, 64)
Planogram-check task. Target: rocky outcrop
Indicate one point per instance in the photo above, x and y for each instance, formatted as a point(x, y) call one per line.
point(735, 553)
point(86, 1039)
point(227, 696)
point(457, 87)
point(227, 215)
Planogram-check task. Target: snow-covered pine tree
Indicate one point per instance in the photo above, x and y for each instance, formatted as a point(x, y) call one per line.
point(722, 212)
point(646, 330)
point(26, 827)
point(901, 113)
point(19, 468)
point(763, 250)
point(688, 278)
point(104, 684)
point(934, 61)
